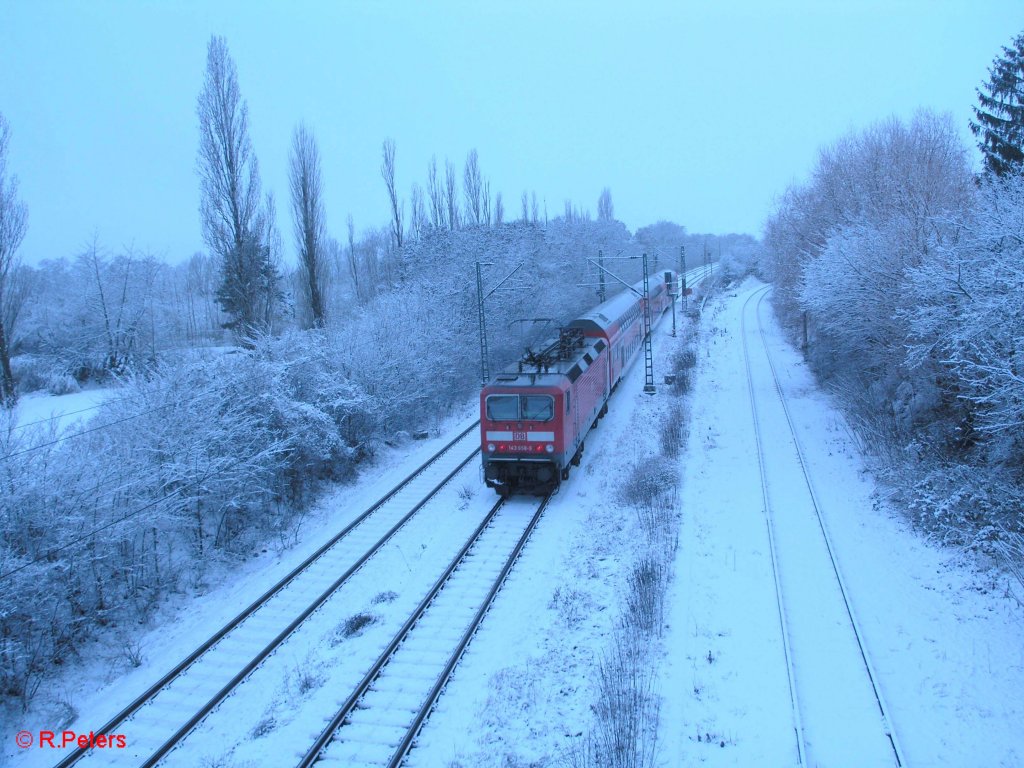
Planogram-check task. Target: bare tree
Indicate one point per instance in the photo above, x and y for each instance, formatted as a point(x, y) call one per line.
point(499, 210)
point(418, 221)
point(123, 287)
point(451, 195)
point(436, 195)
point(230, 195)
point(387, 171)
point(13, 225)
point(525, 216)
point(308, 213)
point(471, 189)
point(353, 262)
point(605, 209)
point(485, 203)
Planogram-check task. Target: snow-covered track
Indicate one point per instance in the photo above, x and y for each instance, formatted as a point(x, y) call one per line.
point(839, 712)
point(158, 720)
point(379, 721)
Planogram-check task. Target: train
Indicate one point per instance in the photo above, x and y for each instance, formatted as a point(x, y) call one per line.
point(535, 414)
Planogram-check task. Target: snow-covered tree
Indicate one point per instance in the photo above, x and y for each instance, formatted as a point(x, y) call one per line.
point(966, 315)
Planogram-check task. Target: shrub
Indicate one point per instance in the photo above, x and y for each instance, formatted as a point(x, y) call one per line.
point(645, 596)
point(671, 433)
point(651, 490)
point(354, 625)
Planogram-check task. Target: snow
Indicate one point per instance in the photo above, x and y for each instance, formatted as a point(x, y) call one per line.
point(944, 641)
point(37, 410)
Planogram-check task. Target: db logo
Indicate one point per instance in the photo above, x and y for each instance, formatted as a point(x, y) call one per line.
point(519, 436)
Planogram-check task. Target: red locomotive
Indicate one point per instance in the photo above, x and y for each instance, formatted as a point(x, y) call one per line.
point(535, 414)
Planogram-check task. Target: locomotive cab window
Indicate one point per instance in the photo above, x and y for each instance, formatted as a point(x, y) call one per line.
point(538, 407)
point(503, 407)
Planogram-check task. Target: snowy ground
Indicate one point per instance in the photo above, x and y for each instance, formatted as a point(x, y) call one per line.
point(41, 411)
point(946, 645)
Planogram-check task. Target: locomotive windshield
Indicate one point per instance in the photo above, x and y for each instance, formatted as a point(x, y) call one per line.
point(516, 408)
point(503, 407)
point(538, 407)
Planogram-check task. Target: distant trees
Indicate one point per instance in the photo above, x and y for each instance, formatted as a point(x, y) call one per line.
point(308, 217)
point(13, 225)
point(1000, 112)
point(236, 227)
point(872, 209)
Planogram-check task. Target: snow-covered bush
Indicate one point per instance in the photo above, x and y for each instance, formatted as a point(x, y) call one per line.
point(60, 383)
point(193, 463)
point(651, 489)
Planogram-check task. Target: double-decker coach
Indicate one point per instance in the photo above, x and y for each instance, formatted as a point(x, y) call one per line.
point(535, 415)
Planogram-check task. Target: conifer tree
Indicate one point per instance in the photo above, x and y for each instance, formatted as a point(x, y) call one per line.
point(1000, 112)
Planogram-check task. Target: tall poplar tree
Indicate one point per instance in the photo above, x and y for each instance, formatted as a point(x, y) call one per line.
point(236, 227)
point(308, 215)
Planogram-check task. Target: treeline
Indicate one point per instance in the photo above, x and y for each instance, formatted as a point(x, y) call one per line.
point(904, 274)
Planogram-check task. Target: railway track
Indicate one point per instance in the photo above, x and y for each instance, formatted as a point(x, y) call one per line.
point(378, 723)
point(838, 711)
point(163, 715)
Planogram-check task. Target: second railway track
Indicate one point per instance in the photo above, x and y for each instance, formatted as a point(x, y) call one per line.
point(839, 713)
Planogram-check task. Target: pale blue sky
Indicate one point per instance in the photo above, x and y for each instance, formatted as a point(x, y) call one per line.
point(697, 112)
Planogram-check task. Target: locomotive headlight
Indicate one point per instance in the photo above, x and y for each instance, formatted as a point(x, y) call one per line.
point(549, 448)
point(490, 447)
